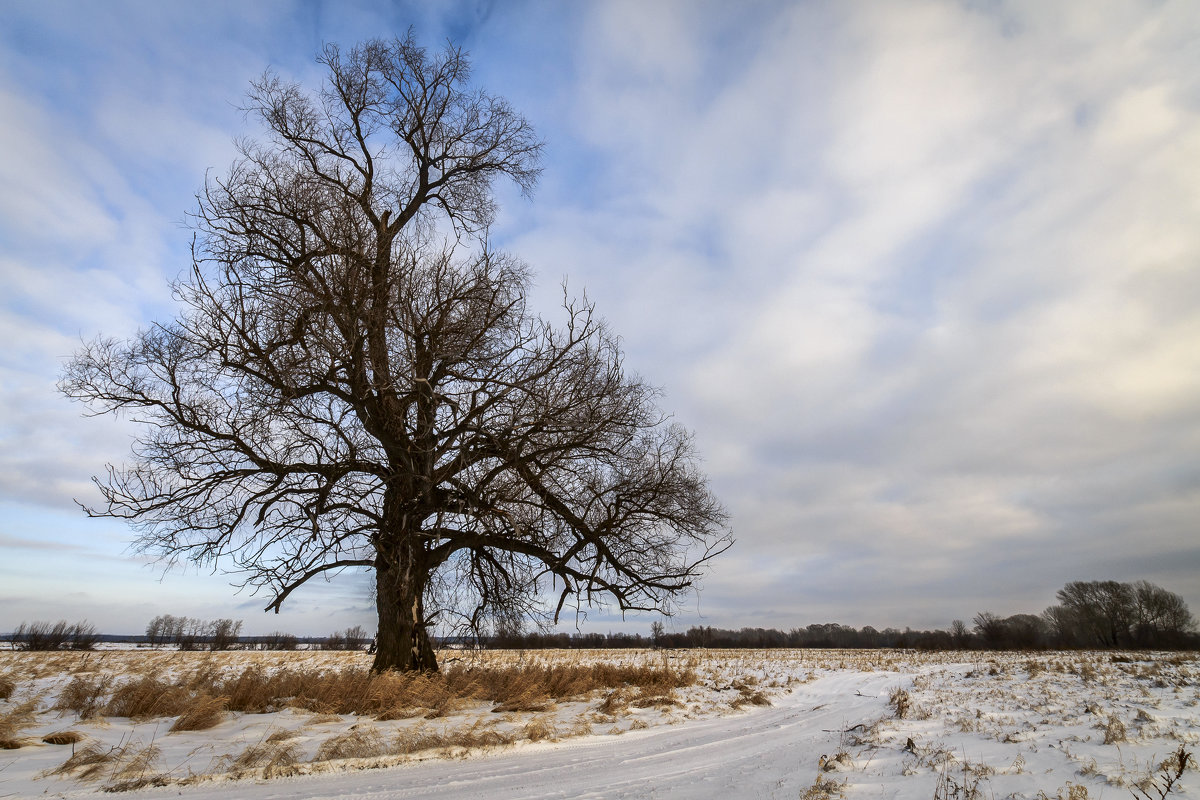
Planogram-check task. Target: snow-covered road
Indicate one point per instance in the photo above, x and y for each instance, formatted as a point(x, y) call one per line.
point(770, 752)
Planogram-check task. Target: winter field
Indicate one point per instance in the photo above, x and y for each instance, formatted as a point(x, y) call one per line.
point(688, 724)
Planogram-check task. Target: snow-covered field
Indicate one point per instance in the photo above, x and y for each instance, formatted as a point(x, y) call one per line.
point(839, 723)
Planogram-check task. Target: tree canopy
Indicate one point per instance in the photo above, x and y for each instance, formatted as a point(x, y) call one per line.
point(355, 381)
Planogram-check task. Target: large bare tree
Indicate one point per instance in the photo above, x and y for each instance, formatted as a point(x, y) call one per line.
point(354, 380)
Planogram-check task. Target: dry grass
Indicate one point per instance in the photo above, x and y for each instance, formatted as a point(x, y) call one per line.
point(203, 712)
point(203, 693)
point(540, 729)
point(531, 702)
point(477, 735)
point(63, 737)
point(13, 720)
point(7, 686)
point(87, 763)
point(83, 695)
point(615, 702)
point(1114, 731)
point(274, 756)
point(129, 765)
point(824, 789)
point(358, 742)
point(148, 697)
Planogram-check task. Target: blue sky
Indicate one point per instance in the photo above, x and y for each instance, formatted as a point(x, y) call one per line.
point(923, 277)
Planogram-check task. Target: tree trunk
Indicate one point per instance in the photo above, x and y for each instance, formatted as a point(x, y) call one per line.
point(402, 642)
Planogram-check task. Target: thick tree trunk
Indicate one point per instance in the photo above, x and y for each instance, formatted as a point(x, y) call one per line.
point(402, 642)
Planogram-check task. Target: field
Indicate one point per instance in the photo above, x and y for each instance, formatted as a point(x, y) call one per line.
point(699, 723)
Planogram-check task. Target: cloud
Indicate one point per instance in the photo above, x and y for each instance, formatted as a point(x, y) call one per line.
point(921, 278)
point(925, 294)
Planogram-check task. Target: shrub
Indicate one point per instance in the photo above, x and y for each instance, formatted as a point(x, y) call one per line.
point(57, 636)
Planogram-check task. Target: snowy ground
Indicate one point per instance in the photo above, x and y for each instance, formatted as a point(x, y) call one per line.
point(840, 723)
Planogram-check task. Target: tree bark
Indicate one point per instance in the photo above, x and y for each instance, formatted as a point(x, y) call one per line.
point(402, 641)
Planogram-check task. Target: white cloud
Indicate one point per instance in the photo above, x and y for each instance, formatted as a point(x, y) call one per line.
point(954, 271)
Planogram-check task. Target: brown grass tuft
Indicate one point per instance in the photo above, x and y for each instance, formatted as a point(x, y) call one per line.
point(273, 756)
point(531, 701)
point(7, 686)
point(539, 729)
point(86, 763)
point(16, 718)
point(615, 702)
point(1114, 731)
point(140, 782)
point(202, 713)
point(83, 695)
point(363, 742)
point(148, 697)
point(901, 702)
point(63, 737)
point(667, 700)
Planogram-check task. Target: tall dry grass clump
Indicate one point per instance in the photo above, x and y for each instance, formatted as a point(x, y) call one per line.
point(358, 742)
point(83, 695)
point(7, 686)
point(273, 757)
point(148, 697)
point(13, 720)
point(202, 713)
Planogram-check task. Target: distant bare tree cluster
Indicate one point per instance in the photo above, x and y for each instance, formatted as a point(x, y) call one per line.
point(1096, 614)
point(350, 639)
point(193, 634)
point(61, 635)
point(1112, 614)
point(276, 640)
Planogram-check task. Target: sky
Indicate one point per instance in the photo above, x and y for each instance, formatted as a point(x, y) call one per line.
point(922, 277)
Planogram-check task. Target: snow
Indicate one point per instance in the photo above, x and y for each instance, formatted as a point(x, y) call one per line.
point(999, 725)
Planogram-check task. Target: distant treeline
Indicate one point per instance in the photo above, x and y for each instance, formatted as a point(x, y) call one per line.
point(1089, 615)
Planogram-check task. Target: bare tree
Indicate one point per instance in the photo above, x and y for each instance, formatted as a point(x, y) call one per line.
point(223, 634)
point(960, 635)
point(1162, 617)
point(354, 380)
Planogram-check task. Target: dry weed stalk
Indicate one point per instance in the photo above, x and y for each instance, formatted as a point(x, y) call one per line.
point(1072, 791)
point(824, 789)
point(1169, 773)
point(901, 702)
point(1114, 730)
